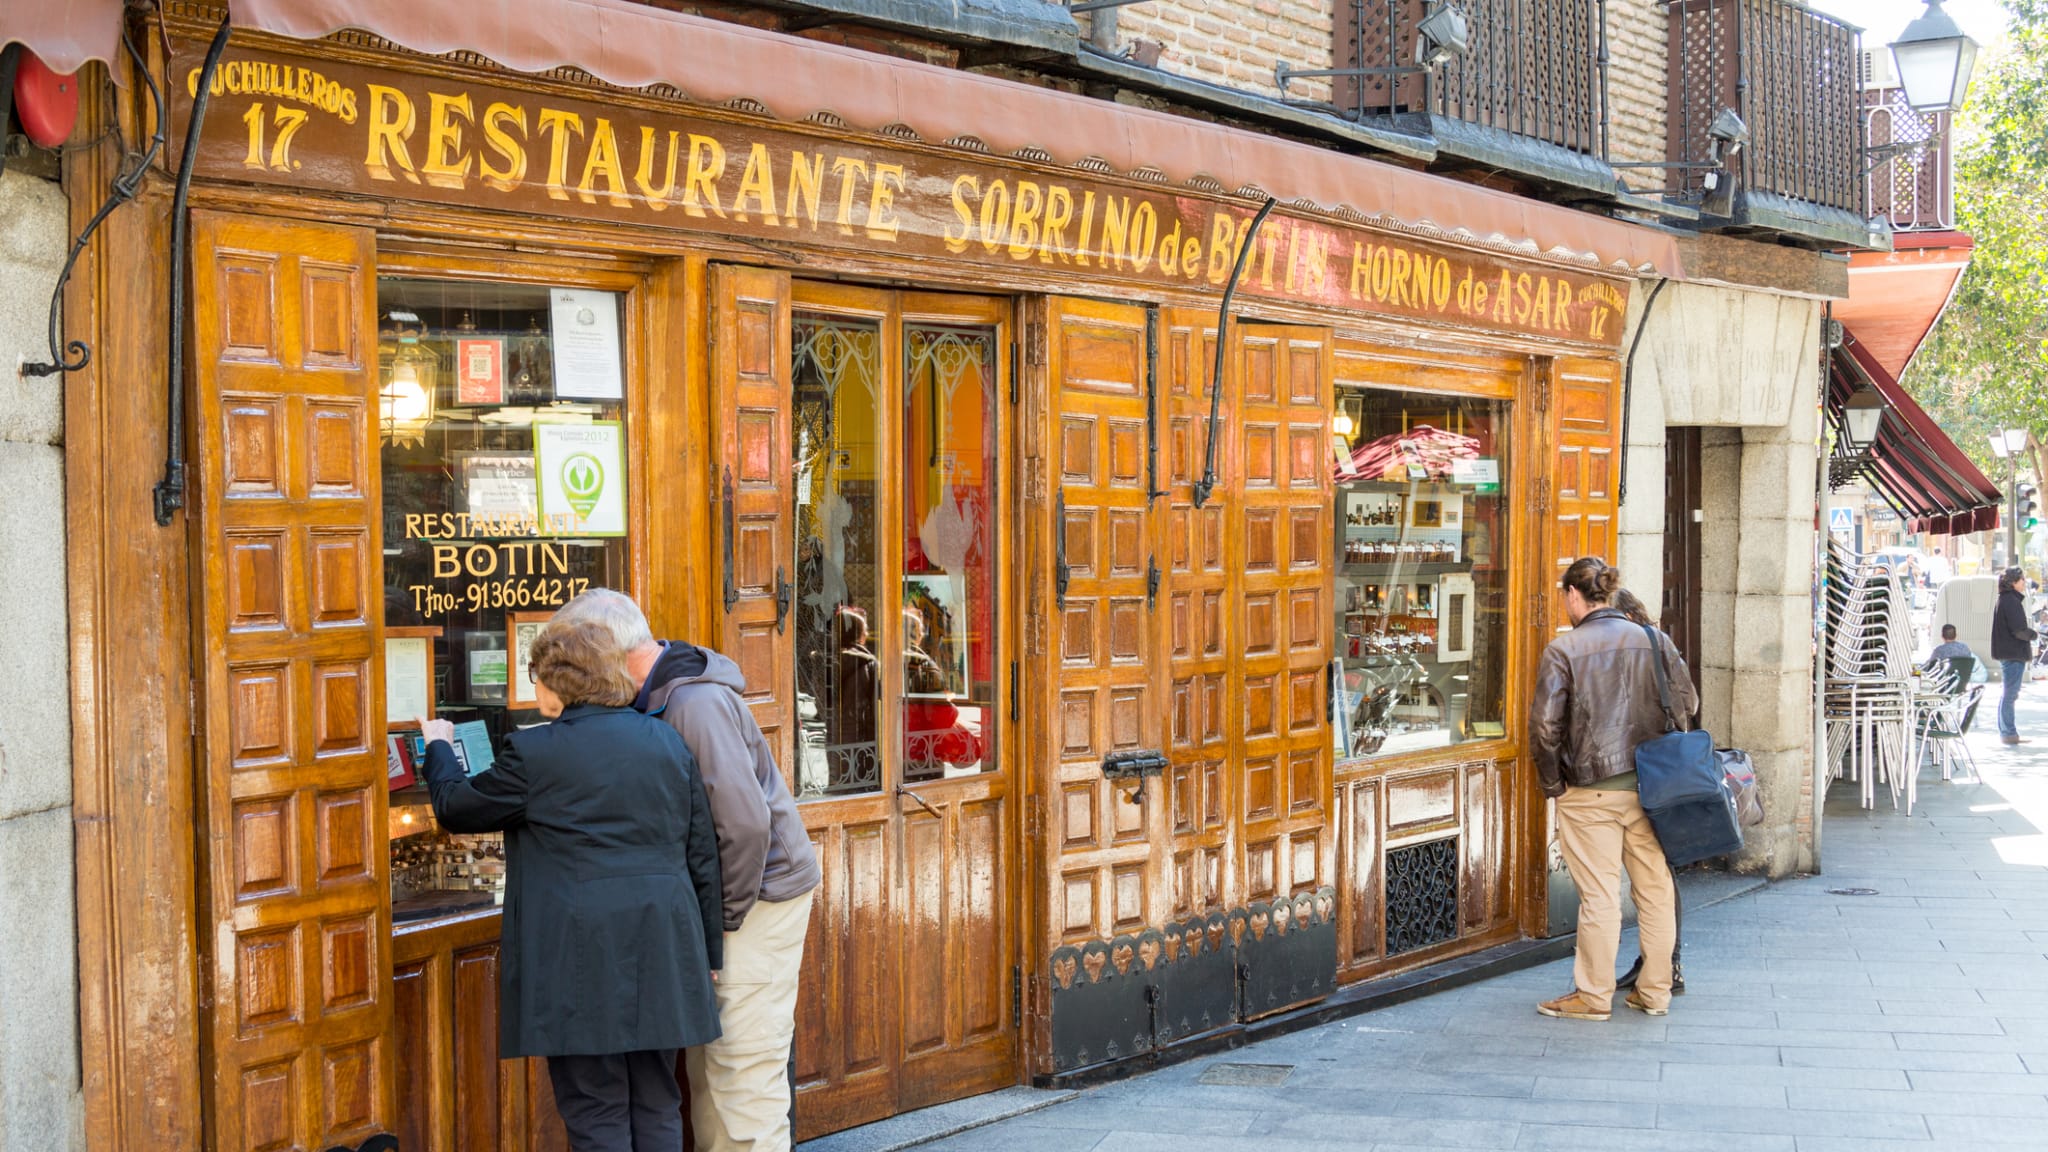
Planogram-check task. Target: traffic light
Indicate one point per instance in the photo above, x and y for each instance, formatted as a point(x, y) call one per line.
point(2027, 506)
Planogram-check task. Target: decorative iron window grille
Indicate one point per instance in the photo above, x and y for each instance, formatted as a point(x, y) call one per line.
point(1791, 73)
point(1422, 895)
point(1534, 69)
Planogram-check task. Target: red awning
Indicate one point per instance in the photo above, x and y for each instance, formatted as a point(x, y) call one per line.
point(1915, 466)
point(634, 45)
point(65, 33)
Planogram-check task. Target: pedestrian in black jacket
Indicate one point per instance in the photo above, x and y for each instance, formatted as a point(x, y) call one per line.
point(612, 930)
point(2012, 645)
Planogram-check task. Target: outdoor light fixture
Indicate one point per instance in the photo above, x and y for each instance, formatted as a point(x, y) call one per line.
point(1443, 33)
point(1862, 419)
point(2008, 443)
point(1934, 61)
point(1862, 416)
point(1341, 424)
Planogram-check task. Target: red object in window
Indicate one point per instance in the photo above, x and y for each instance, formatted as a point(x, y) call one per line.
point(46, 101)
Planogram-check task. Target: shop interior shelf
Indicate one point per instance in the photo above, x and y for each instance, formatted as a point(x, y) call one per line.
point(1398, 573)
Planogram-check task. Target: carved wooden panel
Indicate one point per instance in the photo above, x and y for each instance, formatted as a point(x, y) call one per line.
point(1200, 667)
point(750, 378)
point(1586, 440)
point(1110, 629)
point(1282, 646)
point(286, 527)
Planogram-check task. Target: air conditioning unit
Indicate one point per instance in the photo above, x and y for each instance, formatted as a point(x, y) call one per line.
point(1879, 71)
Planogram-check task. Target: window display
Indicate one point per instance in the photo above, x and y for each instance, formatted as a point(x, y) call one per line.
point(1421, 593)
point(504, 495)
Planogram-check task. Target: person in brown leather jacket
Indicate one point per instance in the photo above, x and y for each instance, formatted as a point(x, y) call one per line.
point(1595, 701)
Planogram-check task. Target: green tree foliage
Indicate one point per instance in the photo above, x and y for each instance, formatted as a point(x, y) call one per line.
point(1986, 365)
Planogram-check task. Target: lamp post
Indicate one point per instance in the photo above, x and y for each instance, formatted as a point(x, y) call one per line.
point(2007, 446)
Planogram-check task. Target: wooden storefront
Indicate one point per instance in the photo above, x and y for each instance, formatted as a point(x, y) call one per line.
point(1156, 829)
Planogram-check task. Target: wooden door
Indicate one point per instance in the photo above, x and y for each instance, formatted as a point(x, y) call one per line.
point(907, 996)
point(1683, 509)
point(1585, 409)
point(296, 900)
point(1282, 539)
point(1100, 661)
point(1202, 659)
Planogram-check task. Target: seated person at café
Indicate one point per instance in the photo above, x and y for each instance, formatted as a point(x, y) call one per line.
point(1949, 649)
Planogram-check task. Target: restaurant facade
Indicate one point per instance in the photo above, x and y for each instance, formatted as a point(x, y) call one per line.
point(1137, 535)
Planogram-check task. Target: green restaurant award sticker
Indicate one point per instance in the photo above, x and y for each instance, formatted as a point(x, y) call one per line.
point(581, 469)
point(583, 482)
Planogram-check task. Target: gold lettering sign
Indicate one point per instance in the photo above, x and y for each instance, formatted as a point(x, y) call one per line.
point(344, 128)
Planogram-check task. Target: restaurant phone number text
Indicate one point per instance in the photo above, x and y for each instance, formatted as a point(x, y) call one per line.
point(547, 592)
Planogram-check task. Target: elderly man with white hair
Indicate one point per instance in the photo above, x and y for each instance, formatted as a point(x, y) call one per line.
point(739, 1089)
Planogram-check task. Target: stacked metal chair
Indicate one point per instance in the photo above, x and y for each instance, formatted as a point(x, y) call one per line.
point(1873, 733)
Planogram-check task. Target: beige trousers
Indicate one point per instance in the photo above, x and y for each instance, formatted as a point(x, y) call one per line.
point(1601, 832)
point(739, 1083)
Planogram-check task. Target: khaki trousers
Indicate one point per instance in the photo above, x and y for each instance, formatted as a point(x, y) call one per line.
point(739, 1083)
point(1601, 832)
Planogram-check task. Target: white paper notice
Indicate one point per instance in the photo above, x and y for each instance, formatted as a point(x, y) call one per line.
point(408, 663)
point(587, 345)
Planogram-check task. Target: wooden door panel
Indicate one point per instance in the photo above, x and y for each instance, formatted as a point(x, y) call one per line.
point(750, 374)
point(287, 530)
point(1108, 695)
point(846, 1005)
point(1202, 671)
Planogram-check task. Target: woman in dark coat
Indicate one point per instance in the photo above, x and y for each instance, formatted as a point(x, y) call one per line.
point(2012, 645)
point(612, 928)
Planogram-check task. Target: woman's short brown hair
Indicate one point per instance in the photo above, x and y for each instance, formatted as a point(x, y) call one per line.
point(580, 662)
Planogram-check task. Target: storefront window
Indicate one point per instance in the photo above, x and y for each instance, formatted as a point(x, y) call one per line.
point(939, 648)
point(836, 375)
point(949, 460)
point(503, 463)
point(1422, 552)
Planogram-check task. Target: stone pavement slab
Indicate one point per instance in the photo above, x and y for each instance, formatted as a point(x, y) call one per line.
point(1911, 1019)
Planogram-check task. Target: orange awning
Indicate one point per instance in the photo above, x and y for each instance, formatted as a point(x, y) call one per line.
point(634, 45)
point(1914, 465)
point(1896, 297)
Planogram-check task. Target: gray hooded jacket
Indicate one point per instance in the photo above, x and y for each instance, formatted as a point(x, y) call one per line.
point(763, 851)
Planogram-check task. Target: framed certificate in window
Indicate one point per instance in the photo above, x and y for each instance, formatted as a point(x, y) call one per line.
point(525, 628)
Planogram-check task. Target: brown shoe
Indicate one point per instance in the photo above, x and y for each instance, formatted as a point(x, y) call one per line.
point(1635, 1000)
point(2014, 740)
point(1572, 1007)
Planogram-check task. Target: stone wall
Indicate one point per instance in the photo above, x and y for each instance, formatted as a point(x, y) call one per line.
point(40, 1102)
point(1745, 367)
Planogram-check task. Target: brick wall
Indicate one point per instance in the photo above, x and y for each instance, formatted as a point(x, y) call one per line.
point(1235, 43)
point(1635, 87)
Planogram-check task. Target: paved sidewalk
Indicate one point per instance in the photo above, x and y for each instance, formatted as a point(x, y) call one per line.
point(1910, 1019)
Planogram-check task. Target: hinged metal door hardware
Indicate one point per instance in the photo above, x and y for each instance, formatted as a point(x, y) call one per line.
point(1060, 571)
point(1151, 582)
point(785, 597)
point(732, 591)
point(1134, 766)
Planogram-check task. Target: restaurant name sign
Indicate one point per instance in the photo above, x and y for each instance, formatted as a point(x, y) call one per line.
point(273, 118)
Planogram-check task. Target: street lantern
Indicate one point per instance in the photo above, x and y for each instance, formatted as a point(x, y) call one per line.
point(2008, 443)
point(1862, 416)
point(1934, 61)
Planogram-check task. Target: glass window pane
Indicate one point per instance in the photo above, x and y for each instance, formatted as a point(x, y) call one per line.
point(1422, 535)
point(472, 562)
point(948, 597)
point(836, 372)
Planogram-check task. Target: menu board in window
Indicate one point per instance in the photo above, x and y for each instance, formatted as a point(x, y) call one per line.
point(474, 563)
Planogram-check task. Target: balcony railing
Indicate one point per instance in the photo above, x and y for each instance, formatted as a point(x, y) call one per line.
point(1792, 75)
point(1534, 69)
point(1916, 190)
